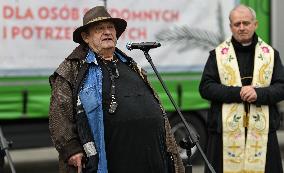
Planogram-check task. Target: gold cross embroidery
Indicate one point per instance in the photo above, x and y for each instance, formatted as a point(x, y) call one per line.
point(234, 147)
point(256, 146)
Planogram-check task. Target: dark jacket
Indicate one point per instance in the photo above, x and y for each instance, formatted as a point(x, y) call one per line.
point(211, 88)
point(62, 112)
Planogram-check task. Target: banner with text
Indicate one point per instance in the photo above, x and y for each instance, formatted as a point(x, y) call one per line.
point(36, 36)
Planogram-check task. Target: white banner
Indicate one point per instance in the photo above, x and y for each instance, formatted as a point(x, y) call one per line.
point(37, 35)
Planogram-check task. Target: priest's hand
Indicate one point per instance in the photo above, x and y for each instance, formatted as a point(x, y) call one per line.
point(248, 94)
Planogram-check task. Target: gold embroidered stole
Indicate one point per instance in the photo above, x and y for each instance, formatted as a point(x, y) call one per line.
point(241, 153)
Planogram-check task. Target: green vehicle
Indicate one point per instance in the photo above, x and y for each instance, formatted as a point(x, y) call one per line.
point(25, 90)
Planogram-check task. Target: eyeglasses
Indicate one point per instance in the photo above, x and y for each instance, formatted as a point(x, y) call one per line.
point(102, 28)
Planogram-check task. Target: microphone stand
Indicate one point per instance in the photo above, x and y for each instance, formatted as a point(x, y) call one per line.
point(4, 146)
point(193, 136)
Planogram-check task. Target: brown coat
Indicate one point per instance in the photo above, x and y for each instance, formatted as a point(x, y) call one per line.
point(61, 115)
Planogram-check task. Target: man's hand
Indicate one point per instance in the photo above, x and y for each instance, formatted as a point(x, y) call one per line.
point(248, 94)
point(76, 160)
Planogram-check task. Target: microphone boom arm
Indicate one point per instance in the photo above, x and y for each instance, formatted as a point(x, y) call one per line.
point(192, 135)
point(144, 46)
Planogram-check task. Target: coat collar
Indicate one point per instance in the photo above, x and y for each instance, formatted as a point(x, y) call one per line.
point(83, 52)
point(79, 53)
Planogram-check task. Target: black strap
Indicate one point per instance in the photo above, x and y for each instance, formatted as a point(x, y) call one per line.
point(83, 128)
point(83, 68)
point(80, 78)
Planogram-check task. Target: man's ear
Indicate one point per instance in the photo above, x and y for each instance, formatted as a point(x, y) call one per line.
point(256, 24)
point(231, 26)
point(85, 37)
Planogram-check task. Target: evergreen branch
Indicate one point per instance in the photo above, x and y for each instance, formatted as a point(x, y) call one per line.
point(189, 37)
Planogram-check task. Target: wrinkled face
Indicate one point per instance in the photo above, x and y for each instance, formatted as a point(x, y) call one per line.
point(242, 25)
point(100, 36)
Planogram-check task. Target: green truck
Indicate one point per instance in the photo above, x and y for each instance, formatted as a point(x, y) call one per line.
point(25, 90)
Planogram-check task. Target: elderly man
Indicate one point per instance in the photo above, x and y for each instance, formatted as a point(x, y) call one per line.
point(244, 79)
point(118, 124)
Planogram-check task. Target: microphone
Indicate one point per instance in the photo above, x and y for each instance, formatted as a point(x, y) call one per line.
point(143, 45)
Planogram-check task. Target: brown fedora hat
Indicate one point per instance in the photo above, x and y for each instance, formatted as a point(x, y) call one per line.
point(95, 15)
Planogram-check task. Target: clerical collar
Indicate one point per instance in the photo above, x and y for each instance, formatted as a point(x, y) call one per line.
point(247, 47)
point(246, 44)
